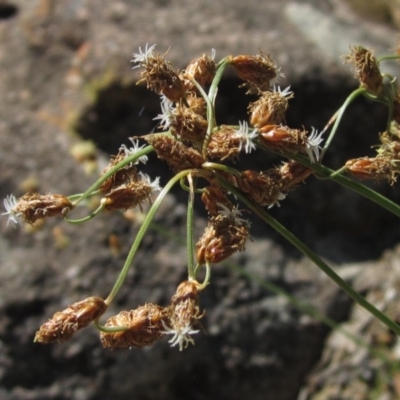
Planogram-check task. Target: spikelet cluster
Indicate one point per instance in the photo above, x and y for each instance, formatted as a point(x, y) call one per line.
point(191, 140)
point(147, 324)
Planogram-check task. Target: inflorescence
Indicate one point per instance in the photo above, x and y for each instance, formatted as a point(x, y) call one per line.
point(194, 146)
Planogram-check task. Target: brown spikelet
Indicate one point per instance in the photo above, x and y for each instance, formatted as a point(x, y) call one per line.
point(257, 71)
point(224, 143)
point(269, 109)
point(65, 323)
point(224, 235)
point(175, 153)
point(265, 188)
point(197, 105)
point(366, 68)
point(161, 77)
point(377, 168)
point(283, 138)
point(143, 327)
point(35, 206)
point(202, 70)
point(131, 194)
point(188, 126)
point(292, 173)
point(127, 173)
point(184, 314)
point(212, 197)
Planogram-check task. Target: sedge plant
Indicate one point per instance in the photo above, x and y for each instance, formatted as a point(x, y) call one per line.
point(198, 151)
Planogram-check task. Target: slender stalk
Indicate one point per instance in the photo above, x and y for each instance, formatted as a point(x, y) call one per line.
point(221, 167)
point(88, 217)
point(210, 118)
point(385, 58)
point(310, 310)
point(143, 228)
point(338, 117)
point(337, 176)
point(311, 255)
point(189, 229)
point(210, 100)
point(304, 307)
point(368, 193)
point(72, 197)
point(212, 93)
point(206, 280)
point(358, 188)
point(390, 93)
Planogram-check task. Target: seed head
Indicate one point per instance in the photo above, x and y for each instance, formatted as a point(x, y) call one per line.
point(366, 68)
point(65, 323)
point(188, 126)
point(257, 71)
point(270, 108)
point(184, 313)
point(228, 142)
point(378, 168)
point(292, 173)
point(131, 194)
point(283, 138)
point(265, 188)
point(213, 197)
point(197, 105)
point(225, 234)
point(34, 206)
point(202, 70)
point(125, 174)
point(159, 74)
point(175, 153)
point(143, 327)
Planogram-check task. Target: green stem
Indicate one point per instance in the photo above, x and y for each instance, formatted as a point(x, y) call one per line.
point(353, 185)
point(221, 167)
point(306, 308)
point(309, 310)
point(389, 96)
point(88, 217)
point(311, 255)
point(212, 93)
point(336, 176)
point(189, 229)
point(210, 99)
point(112, 171)
point(72, 197)
point(385, 58)
point(143, 228)
point(210, 118)
point(338, 117)
point(206, 280)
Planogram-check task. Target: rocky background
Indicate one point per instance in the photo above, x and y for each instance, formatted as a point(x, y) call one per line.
point(69, 99)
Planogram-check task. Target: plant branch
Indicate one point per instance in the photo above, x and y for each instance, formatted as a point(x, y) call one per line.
point(294, 240)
